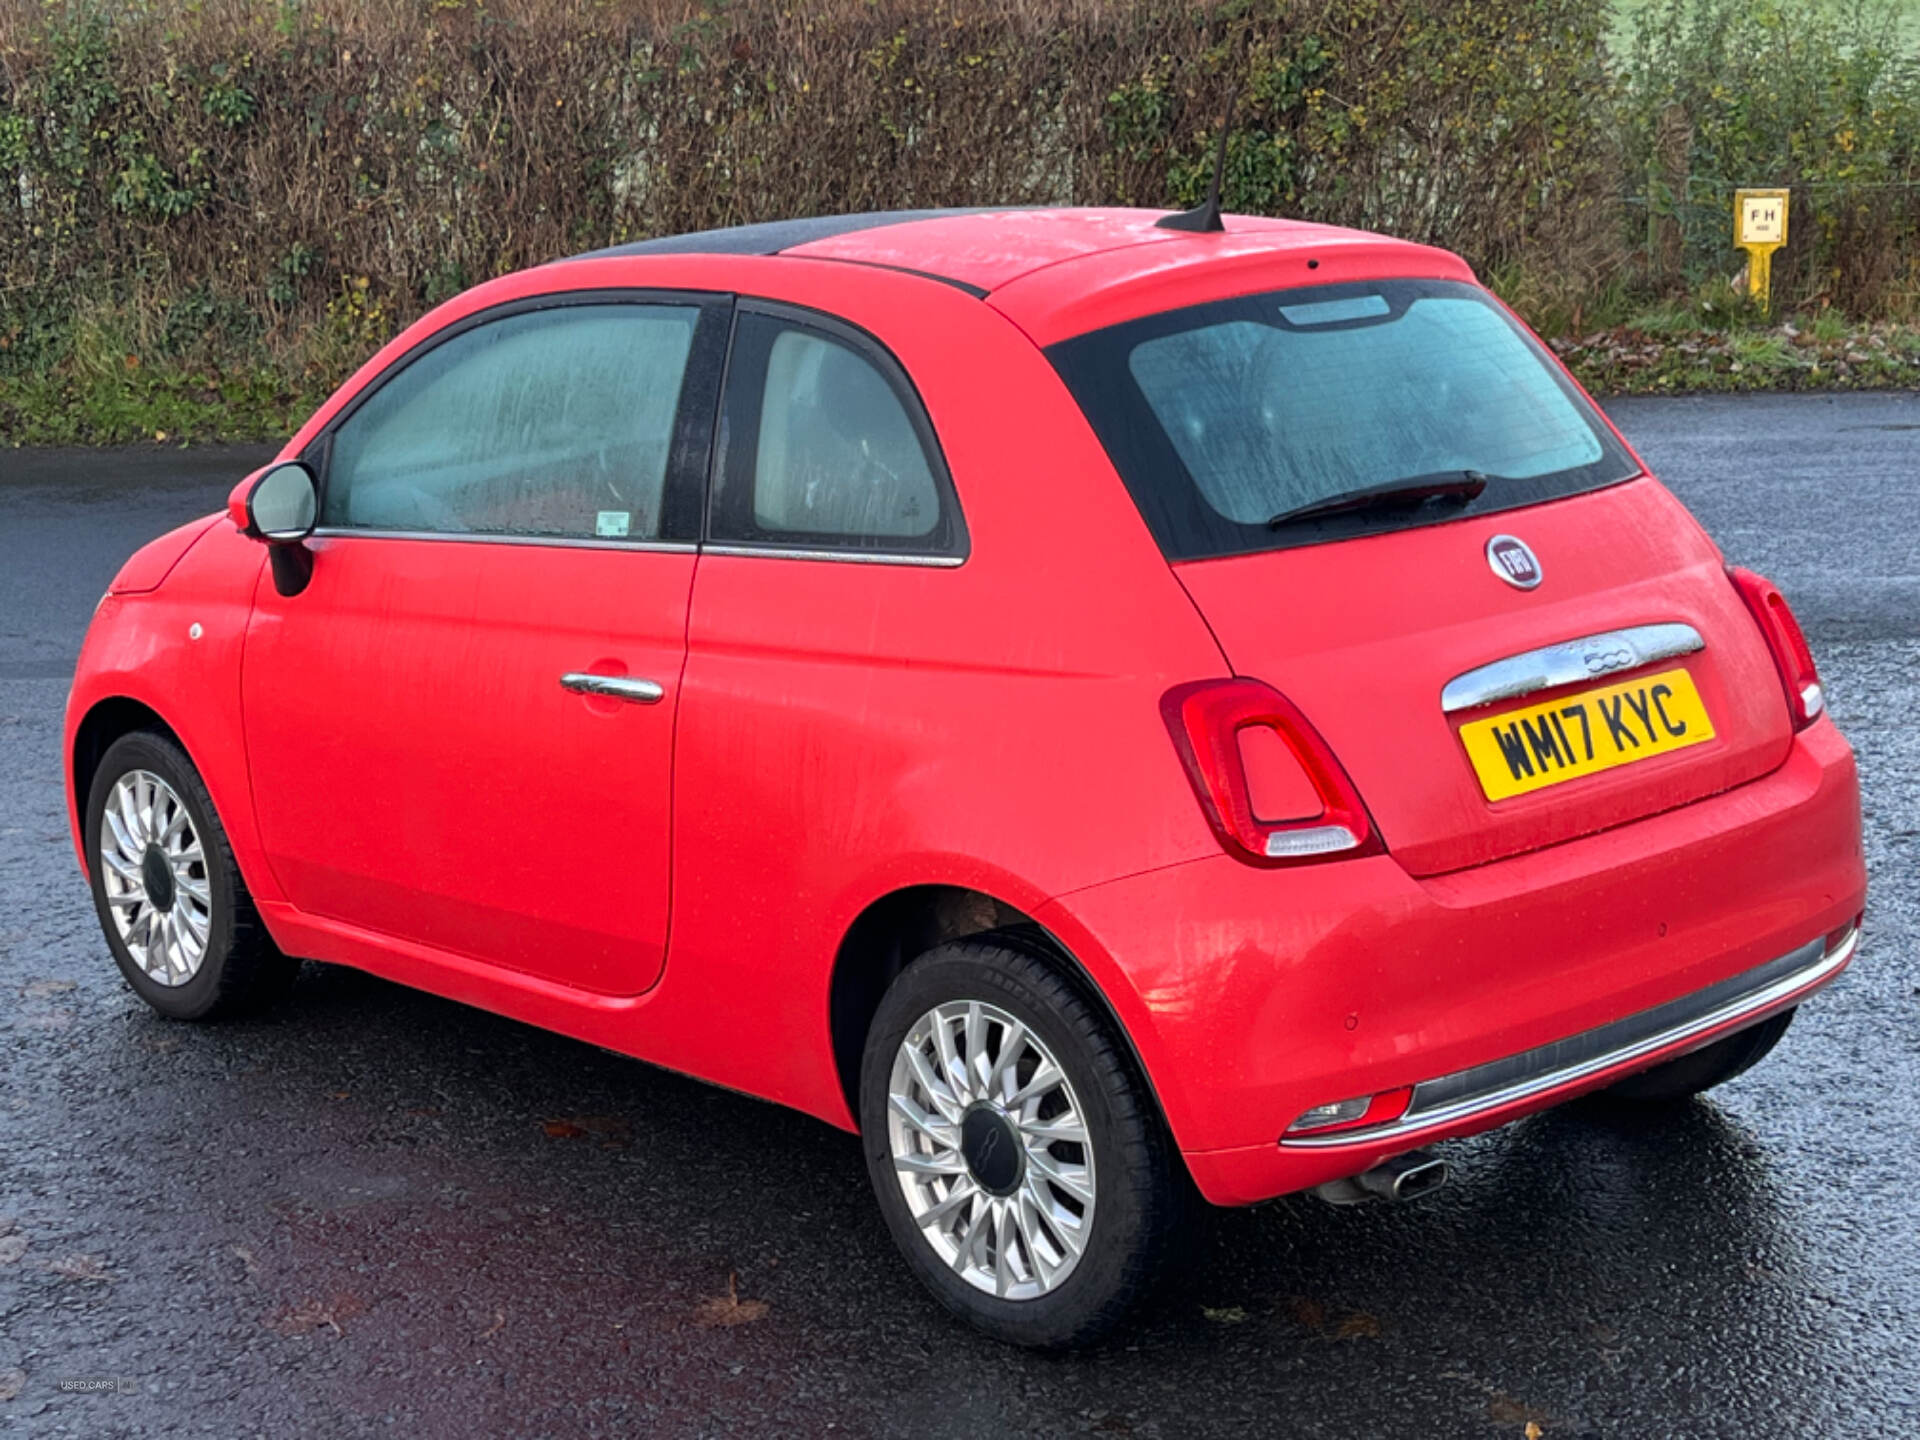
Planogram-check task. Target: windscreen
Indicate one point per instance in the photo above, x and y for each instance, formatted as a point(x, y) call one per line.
point(1223, 417)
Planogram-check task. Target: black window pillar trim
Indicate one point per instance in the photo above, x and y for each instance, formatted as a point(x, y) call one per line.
point(683, 509)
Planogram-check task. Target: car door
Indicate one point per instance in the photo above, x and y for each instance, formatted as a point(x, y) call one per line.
point(460, 733)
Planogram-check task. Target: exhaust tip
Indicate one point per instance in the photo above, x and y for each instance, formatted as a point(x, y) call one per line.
point(1401, 1178)
point(1421, 1178)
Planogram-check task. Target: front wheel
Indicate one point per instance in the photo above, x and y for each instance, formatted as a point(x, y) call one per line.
point(176, 913)
point(1016, 1155)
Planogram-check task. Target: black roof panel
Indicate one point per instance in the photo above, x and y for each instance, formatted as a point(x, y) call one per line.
point(773, 236)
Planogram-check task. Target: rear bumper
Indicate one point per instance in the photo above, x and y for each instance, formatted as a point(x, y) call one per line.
point(1439, 1105)
point(1253, 995)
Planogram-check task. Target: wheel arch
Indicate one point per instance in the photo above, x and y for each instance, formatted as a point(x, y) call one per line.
point(899, 927)
point(106, 720)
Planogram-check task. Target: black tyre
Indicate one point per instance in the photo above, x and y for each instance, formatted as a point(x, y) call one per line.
point(1016, 1154)
point(176, 913)
point(1703, 1069)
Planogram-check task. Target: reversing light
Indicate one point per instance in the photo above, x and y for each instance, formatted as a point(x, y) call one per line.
point(1317, 840)
point(1358, 1113)
point(1806, 698)
point(1340, 1112)
point(1319, 814)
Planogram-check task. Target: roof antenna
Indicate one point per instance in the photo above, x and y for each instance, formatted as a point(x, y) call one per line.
point(1205, 217)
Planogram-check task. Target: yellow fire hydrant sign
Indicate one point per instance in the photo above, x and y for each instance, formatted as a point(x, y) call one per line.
point(1760, 228)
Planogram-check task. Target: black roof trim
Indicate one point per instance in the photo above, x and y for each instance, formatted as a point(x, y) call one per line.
point(772, 236)
point(966, 286)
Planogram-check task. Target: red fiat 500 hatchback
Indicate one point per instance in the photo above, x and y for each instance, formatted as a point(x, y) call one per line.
point(1103, 710)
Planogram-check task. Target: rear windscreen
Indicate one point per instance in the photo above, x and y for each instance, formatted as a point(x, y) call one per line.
point(1221, 417)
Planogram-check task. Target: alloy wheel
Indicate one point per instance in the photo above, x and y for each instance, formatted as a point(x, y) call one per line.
point(154, 871)
point(991, 1147)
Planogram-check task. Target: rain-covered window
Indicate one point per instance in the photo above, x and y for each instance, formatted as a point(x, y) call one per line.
point(819, 447)
point(557, 422)
point(1222, 417)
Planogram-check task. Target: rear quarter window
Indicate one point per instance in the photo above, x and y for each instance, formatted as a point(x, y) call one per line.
point(1221, 416)
point(824, 447)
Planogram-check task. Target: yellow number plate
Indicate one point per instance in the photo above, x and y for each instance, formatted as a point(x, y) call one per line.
point(1584, 734)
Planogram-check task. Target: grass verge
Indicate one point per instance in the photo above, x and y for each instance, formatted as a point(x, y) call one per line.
point(1632, 359)
point(166, 403)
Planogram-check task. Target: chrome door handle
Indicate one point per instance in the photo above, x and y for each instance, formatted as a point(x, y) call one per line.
point(614, 687)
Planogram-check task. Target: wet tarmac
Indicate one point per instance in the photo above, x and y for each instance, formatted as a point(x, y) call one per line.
point(375, 1212)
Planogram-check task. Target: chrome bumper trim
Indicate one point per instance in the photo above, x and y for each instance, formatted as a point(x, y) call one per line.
point(1551, 666)
point(1465, 1093)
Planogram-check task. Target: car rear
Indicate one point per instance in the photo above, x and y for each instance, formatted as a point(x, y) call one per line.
point(1518, 787)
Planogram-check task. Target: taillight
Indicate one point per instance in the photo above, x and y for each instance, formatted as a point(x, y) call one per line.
point(1805, 698)
point(1304, 807)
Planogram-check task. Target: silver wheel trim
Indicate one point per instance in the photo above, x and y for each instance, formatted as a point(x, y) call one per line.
point(960, 1056)
point(144, 813)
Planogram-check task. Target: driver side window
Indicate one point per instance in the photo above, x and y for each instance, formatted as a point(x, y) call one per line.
point(557, 422)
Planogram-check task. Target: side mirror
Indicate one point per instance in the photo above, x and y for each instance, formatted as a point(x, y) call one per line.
point(284, 504)
point(282, 508)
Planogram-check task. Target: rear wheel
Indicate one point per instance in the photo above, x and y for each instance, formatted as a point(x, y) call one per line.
point(176, 913)
point(1016, 1156)
point(1705, 1068)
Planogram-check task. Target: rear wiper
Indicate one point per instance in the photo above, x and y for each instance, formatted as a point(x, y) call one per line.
point(1460, 485)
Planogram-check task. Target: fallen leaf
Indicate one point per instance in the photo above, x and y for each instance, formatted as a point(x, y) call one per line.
point(729, 1309)
point(317, 1315)
point(572, 1127)
point(12, 1247)
point(1224, 1315)
point(38, 989)
point(1505, 1410)
point(1533, 1430)
point(79, 1267)
point(1310, 1314)
point(12, 1382)
point(499, 1324)
point(245, 1257)
point(1358, 1326)
point(339, 1094)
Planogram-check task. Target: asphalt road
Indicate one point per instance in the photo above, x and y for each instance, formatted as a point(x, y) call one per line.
point(377, 1212)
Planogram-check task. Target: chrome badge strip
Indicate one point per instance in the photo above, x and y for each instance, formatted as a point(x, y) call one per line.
point(1569, 662)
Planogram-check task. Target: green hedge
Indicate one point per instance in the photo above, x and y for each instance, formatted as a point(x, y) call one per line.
point(1722, 94)
point(210, 210)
